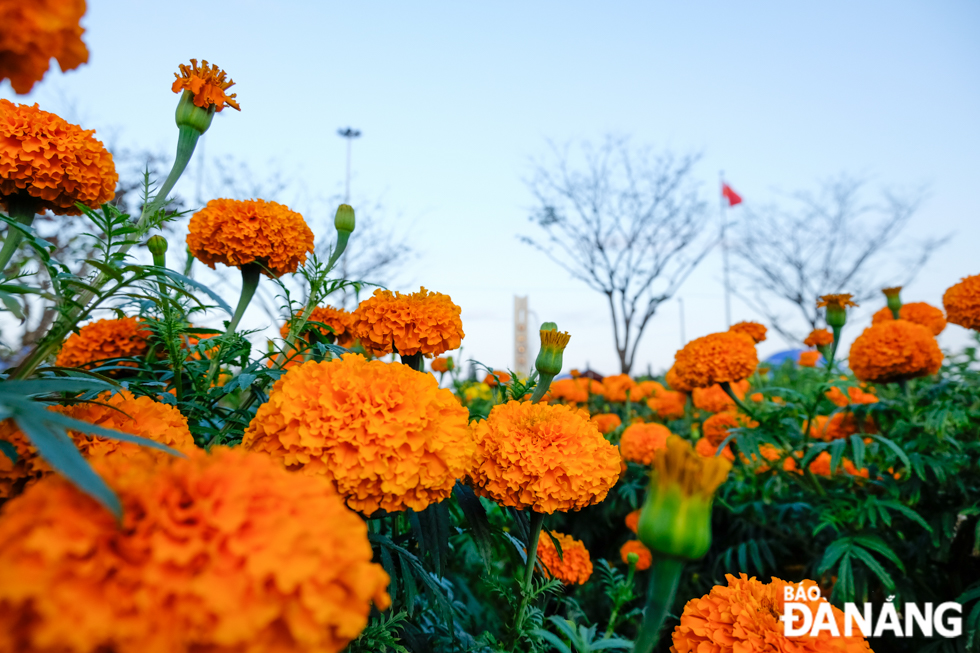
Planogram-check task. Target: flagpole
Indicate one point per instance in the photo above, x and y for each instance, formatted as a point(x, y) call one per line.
point(724, 248)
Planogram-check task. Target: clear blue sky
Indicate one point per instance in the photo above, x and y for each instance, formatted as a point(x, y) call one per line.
point(455, 98)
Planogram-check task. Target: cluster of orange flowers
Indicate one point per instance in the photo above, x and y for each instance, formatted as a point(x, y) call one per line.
point(386, 436)
point(839, 426)
point(140, 416)
point(714, 399)
point(543, 457)
point(572, 567)
point(575, 390)
point(103, 339)
point(34, 33)
point(49, 160)
point(423, 322)
point(745, 616)
point(225, 552)
point(239, 232)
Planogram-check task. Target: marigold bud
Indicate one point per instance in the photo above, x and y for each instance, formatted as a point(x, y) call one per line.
point(192, 116)
point(894, 300)
point(344, 220)
point(157, 245)
point(676, 515)
point(553, 343)
point(836, 306)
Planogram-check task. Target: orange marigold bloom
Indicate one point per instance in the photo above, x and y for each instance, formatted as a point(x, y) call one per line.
point(809, 358)
point(632, 520)
point(840, 301)
point(385, 435)
point(716, 358)
point(708, 450)
point(238, 232)
point(208, 83)
point(440, 365)
point(51, 160)
point(715, 429)
point(753, 330)
point(855, 395)
point(819, 338)
point(646, 389)
point(962, 303)
point(572, 567)
point(918, 312)
point(614, 388)
point(771, 454)
point(34, 33)
point(336, 318)
point(120, 338)
point(644, 554)
point(542, 457)
point(141, 416)
point(491, 380)
point(668, 404)
point(607, 422)
point(675, 382)
point(424, 321)
point(714, 400)
point(895, 351)
point(574, 391)
point(744, 617)
point(839, 426)
point(640, 441)
point(225, 552)
point(821, 466)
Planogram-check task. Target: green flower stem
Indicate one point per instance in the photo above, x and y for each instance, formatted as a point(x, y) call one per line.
point(338, 251)
point(187, 138)
point(414, 361)
point(726, 386)
point(622, 600)
point(833, 350)
point(665, 574)
point(544, 384)
point(21, 208)
point(537, 521)
point(250, 281)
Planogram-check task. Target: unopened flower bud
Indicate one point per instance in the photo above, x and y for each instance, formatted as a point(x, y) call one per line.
point(676, 516)
point(158, 247)
point(836, 306)
point(344, 220)
point(894, 300)
point(192, 116)
point(553, 343)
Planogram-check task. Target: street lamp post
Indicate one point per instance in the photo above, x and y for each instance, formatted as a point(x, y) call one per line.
point(350, 134)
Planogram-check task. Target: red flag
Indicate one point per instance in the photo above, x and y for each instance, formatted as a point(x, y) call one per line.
point(730, 195)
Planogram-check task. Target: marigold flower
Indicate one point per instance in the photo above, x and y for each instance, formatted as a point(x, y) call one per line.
point(140, 416)
point(208, 83)
point(895, 351)
point(753, 330)
point(216, 552)
point(809, 358)
point(632, 520)
point(238, 232)
point(855, 395)
point(336, 318)
point(819, 338)
point(716, 358)
point(607, 422)
point(668, 404)
point(440, 364)
point(574, 391)
point(675, 382)
point(97, 341)
point(962, 303)
point(49, 159)
point(573, 567)
point(714, 400)
point(542, 457)
point(35, 33)
point(491, 380)
point(644, 554)
point(640, 442)
point(385, 435)
point(426, 322)
point(917, 312)
point(771, 454)
point(715, 429)
point(646, 389)
point(839, 426)
point(821, 466)
point(614, 388)
point(676, 515)
point(705, 448)
point(745, 617)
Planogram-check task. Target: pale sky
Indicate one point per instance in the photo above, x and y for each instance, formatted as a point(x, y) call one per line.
point(455, 99)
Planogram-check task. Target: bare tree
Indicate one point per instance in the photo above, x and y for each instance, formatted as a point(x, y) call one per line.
point(836, 240)
point(627, 223)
